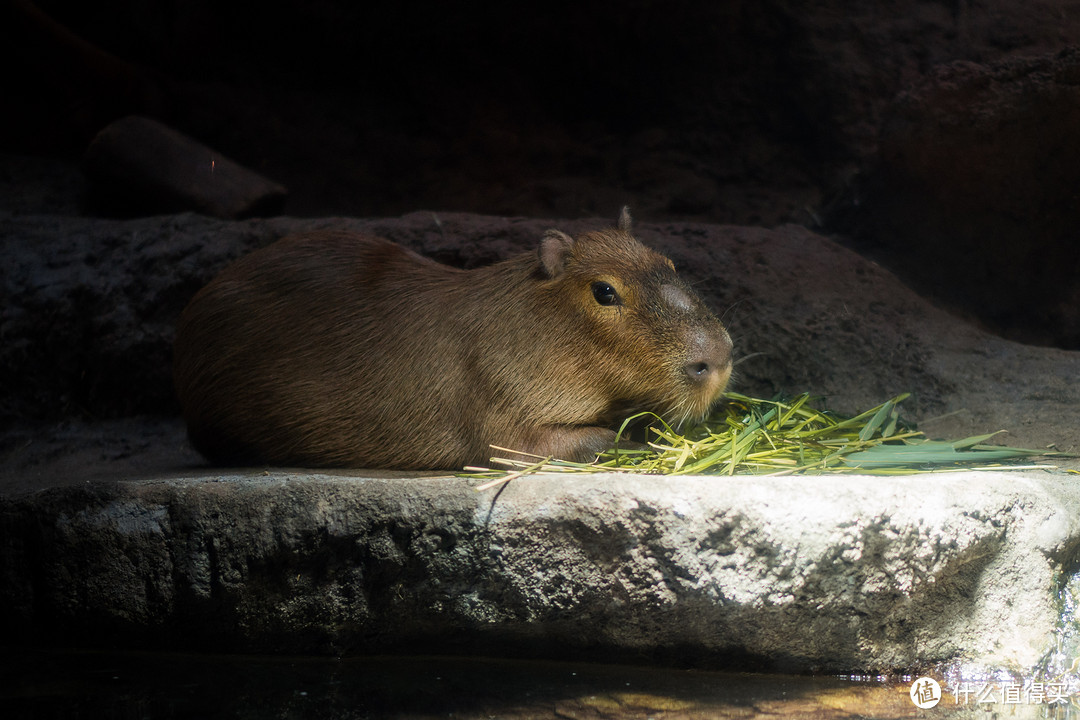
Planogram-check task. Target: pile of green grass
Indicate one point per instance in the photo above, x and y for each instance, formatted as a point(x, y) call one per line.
point(776, 437)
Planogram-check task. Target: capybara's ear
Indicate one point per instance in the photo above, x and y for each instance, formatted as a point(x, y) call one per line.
point(554, 248)
point(623, 223)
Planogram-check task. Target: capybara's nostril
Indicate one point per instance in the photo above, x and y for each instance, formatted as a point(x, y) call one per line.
point(710, 355)
point(699, 371)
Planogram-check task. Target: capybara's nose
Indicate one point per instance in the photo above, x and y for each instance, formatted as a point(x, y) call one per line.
point(710, 357)
point(699, 371)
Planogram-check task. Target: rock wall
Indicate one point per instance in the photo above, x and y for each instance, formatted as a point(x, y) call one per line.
point(972, 196)
point(760, 113)
point(90, 307)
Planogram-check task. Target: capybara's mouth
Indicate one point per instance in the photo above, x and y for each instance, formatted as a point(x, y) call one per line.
point(687, 407)
point(698, 401)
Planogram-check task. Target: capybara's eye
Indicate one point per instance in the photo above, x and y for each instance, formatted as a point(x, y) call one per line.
point(604, 293)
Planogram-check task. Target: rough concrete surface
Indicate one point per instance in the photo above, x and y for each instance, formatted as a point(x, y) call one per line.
point(796, 574)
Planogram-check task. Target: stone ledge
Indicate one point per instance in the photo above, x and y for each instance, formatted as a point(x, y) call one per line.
point(798, 574)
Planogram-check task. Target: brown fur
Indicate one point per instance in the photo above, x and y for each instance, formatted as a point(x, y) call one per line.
point(336, 349)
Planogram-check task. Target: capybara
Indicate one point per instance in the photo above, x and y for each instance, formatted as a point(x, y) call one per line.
point(336, 349)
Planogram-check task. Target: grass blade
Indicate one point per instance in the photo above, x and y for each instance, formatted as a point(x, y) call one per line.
point(781, 437)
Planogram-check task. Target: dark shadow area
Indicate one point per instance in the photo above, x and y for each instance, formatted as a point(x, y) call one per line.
point(729, 112)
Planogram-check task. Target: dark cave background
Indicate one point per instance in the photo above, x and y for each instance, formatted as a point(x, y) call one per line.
point(752, 113)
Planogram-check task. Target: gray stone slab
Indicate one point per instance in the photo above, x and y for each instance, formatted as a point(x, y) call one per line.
point(830, 573)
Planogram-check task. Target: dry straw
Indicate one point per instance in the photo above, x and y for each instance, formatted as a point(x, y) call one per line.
point(778, 437)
